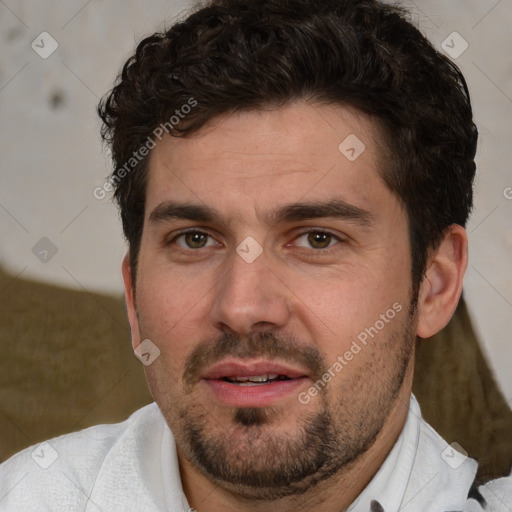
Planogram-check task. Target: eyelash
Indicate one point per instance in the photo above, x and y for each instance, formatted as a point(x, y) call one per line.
point(306, 232)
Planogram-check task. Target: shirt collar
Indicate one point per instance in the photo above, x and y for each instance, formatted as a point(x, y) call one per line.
point(415, 475)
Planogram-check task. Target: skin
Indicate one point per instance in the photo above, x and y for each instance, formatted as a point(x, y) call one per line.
point(308, 296)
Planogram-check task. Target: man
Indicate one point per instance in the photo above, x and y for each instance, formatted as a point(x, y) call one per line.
point(294, 178)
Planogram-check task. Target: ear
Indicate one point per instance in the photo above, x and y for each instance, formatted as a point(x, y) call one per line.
point(441, 286)
point(130, 301)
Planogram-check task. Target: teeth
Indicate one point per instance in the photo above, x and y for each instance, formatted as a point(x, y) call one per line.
point(255, 378)
point(258, 378)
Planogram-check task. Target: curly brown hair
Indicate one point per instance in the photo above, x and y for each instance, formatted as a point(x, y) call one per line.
point(233, 55)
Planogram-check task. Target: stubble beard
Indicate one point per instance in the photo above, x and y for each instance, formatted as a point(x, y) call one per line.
point(257, 460)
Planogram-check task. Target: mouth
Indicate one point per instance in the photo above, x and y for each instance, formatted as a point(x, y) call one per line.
point(255, 380)
point(253, 383)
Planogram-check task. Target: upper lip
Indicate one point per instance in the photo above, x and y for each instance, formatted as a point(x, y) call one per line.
point(237, 368)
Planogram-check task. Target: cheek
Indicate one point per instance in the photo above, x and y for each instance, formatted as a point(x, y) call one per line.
point(173, 313)
point(166, 298)
point(343, 301)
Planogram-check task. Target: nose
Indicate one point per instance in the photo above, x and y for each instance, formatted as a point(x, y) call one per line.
point(250, 297)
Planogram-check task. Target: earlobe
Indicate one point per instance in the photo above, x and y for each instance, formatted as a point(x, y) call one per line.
point(130, 301)
point(441, 287)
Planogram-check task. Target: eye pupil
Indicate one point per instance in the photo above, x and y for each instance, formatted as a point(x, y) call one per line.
point(319, 240)
point(195, 240)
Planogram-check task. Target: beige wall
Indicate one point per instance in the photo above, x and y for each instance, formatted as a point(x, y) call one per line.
point(51, 157)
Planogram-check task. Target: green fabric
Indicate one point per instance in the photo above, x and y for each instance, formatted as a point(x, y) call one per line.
point(66, 363)
point(460, 398)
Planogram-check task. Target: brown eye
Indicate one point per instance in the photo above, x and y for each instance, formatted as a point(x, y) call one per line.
point(194, 240)
point(319, 240)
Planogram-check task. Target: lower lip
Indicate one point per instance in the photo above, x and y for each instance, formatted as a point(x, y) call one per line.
point(260, 395)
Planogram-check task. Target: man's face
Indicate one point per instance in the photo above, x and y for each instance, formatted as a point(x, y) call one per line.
point(271, 260)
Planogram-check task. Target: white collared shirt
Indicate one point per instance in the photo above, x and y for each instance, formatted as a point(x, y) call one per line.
point(133, 466)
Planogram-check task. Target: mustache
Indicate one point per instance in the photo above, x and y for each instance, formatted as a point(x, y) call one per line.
point(268, 344)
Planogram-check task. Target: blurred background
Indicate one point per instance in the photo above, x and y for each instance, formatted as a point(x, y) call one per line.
point(59, 57)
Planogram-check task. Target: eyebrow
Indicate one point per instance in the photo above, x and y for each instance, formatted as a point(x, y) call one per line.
point(295, 212)
point(171, 210)
point(335, 208)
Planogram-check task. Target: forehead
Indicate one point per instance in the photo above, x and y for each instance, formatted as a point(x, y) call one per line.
point(247, 162)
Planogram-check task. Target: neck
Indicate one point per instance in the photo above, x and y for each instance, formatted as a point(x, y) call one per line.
point(333, 495)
